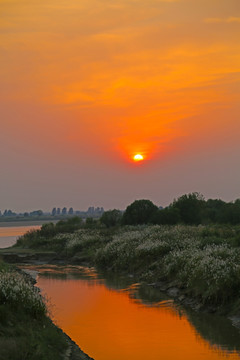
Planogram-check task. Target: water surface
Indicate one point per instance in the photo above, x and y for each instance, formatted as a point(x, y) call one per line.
point(9, 234)
point(111, 320)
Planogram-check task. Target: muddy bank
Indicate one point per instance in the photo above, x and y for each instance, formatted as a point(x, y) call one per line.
point(39, 258)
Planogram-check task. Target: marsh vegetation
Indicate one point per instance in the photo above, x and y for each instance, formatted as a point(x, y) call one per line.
point(203, 259)
point(194, 253)
point(25, 329)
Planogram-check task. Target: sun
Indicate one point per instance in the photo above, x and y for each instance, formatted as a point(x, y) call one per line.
point(138, 157)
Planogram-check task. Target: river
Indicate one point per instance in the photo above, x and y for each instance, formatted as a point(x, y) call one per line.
point(10, 232)
point(116, 319)
point(113, 319)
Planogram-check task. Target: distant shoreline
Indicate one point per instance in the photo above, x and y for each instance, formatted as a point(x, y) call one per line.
point(25, 223)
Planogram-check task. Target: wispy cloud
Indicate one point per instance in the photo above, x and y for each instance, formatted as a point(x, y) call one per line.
point(228, 20)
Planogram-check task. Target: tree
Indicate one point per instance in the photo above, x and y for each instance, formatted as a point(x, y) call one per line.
point(70, 211)
point(36, 213)
point(229, 213)
point(168, 216)
point(9, 213)
point(212, 210)
point(48, 230)
point(190, 207)
point(64, 211)
point(111, 218)
point(70, 225)
point(140, 212)
point(90, 223)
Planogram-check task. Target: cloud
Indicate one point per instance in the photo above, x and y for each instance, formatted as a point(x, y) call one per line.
point(228, 20)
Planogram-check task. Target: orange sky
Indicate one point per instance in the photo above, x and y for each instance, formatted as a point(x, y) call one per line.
point(87, 84)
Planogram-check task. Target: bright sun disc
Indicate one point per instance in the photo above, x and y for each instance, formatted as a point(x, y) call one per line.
point(138, 157)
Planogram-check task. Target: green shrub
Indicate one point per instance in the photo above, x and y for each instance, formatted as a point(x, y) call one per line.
point(17, 292)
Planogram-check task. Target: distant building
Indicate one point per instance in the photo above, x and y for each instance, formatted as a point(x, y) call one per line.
point(92, 211)
point(64, 211)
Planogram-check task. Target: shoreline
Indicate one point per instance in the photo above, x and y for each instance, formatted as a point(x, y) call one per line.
point(178, 295)
point(23, 223)
point(72, 351)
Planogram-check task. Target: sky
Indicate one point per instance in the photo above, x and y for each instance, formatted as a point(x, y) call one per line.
point(87, 84)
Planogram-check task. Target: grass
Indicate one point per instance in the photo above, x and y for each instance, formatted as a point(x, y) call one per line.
point(208, 267)
point(25, 330)
point(204, 260)
point(4, 267)
point(24, 337)
point(19, 293)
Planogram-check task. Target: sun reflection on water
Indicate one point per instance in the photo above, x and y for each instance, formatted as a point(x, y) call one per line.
point(117, 324)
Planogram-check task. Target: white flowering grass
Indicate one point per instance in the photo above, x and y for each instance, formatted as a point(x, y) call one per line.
point(17, 292)
point(151, 241)
point(212, 272)
point(82, 238)
point(202, 259)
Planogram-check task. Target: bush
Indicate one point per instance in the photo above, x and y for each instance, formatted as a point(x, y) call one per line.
point(17, 292)
point(167, 216)
point(191, 207)
point(111, 218)
point(201, 259)
point(140, 212)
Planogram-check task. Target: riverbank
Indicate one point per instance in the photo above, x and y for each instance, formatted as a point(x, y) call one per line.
point(25, 328)
point(180, 294)
point(196, 265)
point(24, 223)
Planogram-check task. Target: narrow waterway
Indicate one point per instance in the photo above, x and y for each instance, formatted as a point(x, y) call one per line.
point(114, 320)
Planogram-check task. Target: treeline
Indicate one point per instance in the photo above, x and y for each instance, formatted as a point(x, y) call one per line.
point(10, 213)
point(56, 212)
point(190, 209)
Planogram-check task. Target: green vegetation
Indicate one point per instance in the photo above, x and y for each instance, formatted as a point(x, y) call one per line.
point(40, 238)
point(193, 242)
point(17, 292)
point(26, 331)
point(190, 209)
point(140, 212)
point(111, 218)
point(203, 260)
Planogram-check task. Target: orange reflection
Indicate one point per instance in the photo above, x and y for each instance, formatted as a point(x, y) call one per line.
point(9, 234)
point(109, 325)
point(16, 230)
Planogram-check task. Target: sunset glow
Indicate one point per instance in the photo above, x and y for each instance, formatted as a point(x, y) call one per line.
point(86, 83)
point(138, 157)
